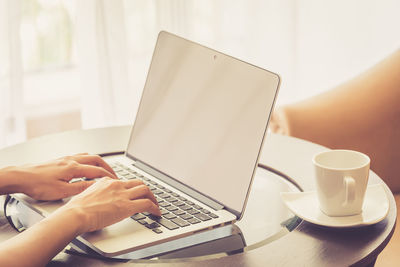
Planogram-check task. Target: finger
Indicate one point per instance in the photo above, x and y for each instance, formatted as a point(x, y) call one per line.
point(142, 205)
point(141, 191)
point(84, 153)
point(93, 160)
point(132, 183)
point(78, 187)
point(87, 171)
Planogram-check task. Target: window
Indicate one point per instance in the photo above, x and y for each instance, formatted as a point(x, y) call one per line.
point(51, 78)
point(73, 64)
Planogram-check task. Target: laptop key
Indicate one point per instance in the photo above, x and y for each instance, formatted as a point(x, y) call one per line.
point(192, 211)
point(193, 220)
point(178, 212)
point(186, 216)
point(157, 192)
point(202, 217)
point(164, 204)
point(212, 215)
point(167, 224)
point(179, 203)
point(180, 222)
point(152, 225)
point(157, 230)
point(164, 195)
point(205, 211)
point(185, 207)
point(159, 199)
point(153, 217)
point(130, 176)
point(138, 216)
point(197, 207)
point(163, 211)
point(145, 221)
point(169, 216)
point(167, 190)
point(171, 208)
point(171, 199)
point(75, 180)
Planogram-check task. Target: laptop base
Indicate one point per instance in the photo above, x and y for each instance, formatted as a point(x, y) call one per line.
point(214, 241)
point(222, 240)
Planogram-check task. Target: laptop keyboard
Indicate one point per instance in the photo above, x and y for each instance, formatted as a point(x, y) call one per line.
point(176, 210)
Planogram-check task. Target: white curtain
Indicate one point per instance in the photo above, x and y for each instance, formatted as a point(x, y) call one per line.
point(103, 63)
point(12, 125)
point(261, 32)
point(312, 44)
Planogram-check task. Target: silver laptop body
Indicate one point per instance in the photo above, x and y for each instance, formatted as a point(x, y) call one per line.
point(197, 137)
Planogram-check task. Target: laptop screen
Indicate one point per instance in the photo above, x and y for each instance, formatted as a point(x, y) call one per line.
point(202, 119)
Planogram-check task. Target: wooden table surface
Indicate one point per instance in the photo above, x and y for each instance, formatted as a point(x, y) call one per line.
point(307, 245)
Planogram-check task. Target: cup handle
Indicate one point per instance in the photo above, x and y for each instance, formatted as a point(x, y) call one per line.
point(350, 185)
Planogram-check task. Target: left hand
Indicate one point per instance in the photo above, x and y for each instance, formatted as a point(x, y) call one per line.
point(51, 181)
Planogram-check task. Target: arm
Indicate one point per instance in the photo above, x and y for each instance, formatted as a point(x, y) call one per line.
point(103, 203)
point(38, 244)
point(50, 180)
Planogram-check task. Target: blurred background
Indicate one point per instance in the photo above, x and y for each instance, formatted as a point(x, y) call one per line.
point(69, 64)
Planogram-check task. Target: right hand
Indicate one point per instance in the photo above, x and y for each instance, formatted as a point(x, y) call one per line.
point(109, 201)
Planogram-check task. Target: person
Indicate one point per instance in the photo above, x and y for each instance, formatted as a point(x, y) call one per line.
point(361, 114)
point(94, 205)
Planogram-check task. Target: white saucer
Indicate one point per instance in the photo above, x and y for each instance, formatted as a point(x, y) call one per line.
point(305, 205)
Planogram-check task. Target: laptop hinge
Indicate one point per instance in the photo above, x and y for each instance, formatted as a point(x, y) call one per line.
point(189, 191)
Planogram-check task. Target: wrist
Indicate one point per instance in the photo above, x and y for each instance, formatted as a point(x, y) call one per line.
point(72, 219)
point(10, 181)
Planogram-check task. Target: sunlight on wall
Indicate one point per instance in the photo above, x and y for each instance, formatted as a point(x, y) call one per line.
point(313, 45)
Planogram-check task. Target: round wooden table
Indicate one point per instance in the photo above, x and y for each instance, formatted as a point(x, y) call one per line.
point(306, 245)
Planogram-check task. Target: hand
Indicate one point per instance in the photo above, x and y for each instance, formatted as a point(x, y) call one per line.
point(278, 123)
point(109, 201)
point(51, 181)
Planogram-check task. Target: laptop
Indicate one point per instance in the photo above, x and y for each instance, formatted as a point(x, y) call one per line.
point(195, 142)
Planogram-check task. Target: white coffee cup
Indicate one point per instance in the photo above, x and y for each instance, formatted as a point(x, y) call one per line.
point(341, 181)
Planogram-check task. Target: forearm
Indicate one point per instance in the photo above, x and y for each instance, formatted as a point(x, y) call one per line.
point(10, 181)
point(40, 243)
